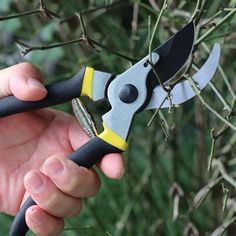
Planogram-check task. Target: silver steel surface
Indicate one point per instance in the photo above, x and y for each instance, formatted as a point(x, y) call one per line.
point(100, 80)
point(183, 90)
point(119, 118)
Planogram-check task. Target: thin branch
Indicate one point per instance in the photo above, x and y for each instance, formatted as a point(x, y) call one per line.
point(215, 27)
point(154, 5)
point(134, 23)
point(196, 11)
point(3, 18)
point(27, 48)
point(103, 8)
point(211, 156)
point(197, 91)
point(228, 147)
point(226, 196)
point(203, 192)
point(79, 15)
point(221, 98)
point(210, 19)
point(163, 8)
point(156, 111)
point(221, 229)
point(214, 138)
point(202, 11)
point(84, 35)
point(41, 10)
point(226, 80)
point(219, 165)
point(132, 60)
point(164, 124)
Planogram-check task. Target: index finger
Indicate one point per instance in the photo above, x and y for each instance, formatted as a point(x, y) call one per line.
point(24, 81)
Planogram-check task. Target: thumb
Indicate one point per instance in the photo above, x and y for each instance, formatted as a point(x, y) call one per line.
point(24, 81)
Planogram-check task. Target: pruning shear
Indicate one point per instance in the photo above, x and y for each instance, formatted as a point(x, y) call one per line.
point(129, 93)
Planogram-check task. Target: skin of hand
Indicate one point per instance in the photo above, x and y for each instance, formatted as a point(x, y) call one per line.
point(33, 157)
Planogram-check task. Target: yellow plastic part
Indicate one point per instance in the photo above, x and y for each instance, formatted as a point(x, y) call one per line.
point(87, 88)
point(112, 138)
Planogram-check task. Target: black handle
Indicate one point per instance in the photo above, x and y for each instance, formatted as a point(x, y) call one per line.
point(85, 156)
point(57, 93)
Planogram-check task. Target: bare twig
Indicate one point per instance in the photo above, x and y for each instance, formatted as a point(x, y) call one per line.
point(45, 12)
point(219, 165)
point(222, 228)
point(212, 150)
point(176, 193)
point(226, 196)
point(103, 8)
point(134, 23)
point(198, 93)
point(163, 8)
point(3, 18)
point(203, 193)
point(191, 230)
point(154, 5)
point(25, 49)
point(215, 27)
point(196, 11)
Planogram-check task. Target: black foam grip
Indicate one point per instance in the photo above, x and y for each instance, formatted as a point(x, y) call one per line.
point(86, 156)
point(57, 93)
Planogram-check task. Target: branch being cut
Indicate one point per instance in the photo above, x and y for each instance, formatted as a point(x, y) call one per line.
point(42, 10)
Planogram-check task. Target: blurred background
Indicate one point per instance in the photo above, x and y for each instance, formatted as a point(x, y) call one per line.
point(169, 187)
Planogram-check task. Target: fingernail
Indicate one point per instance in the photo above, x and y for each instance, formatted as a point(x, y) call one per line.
point(54, 166)
point(36, 216)
point(34, 83)
point(34, 182)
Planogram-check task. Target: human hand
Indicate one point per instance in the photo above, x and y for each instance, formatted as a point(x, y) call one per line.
point(33, 150)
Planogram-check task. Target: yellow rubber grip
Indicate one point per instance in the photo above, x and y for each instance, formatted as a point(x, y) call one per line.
point(87, 88)
point(112, 138)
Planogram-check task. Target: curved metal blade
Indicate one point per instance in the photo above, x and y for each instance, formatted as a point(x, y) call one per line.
point(174, 53)
point(183, 91)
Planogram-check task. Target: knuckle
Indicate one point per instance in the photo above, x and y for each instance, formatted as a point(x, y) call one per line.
point(74, 180)
point(95, 186)
point(26, 66)
point(52, 228)
point(73, 184)
point(85, 184)
point(75, 210)
point(71, 187)
point(49, 203)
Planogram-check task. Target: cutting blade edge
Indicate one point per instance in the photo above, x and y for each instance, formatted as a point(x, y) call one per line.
point(174, 53)
point(183, 91)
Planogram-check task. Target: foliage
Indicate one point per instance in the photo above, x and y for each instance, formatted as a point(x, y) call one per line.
point(177, 182)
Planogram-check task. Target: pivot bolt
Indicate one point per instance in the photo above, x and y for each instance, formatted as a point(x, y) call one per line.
point(128, 93)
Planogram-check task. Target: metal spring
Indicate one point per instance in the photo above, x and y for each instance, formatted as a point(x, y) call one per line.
point(85, 119)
